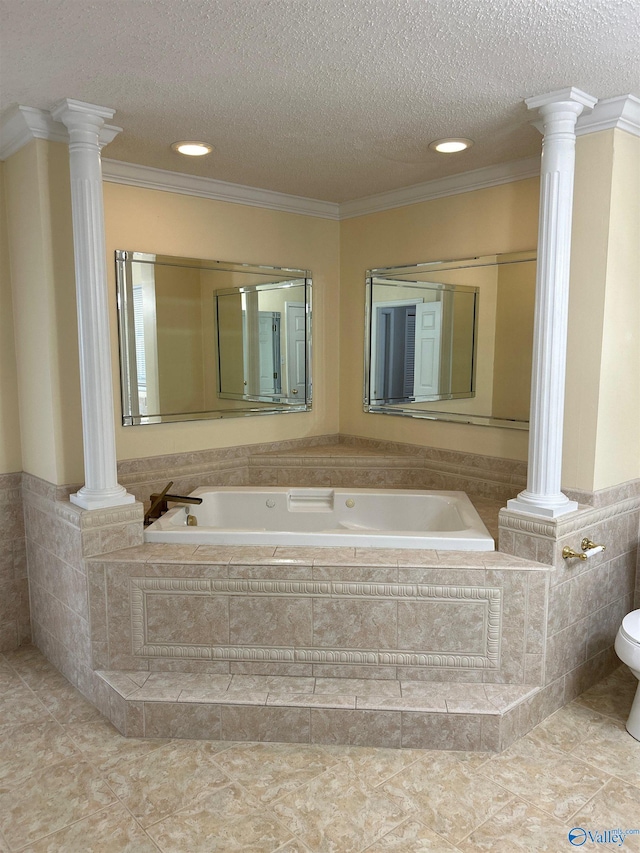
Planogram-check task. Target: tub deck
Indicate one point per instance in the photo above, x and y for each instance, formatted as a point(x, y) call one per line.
point(320, 645)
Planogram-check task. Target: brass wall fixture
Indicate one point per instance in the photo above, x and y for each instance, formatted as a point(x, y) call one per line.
point(589, 549)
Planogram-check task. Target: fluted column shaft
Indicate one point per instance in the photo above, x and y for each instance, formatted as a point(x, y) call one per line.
point(85, 123)
point(543, 496)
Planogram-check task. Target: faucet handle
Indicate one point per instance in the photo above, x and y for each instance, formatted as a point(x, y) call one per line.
point(156, 501)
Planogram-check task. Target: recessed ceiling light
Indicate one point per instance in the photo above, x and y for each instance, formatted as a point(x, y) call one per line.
point(451, 145)
point(192, 149)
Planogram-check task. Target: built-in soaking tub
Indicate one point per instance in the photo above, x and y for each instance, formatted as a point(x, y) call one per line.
point(365, 518)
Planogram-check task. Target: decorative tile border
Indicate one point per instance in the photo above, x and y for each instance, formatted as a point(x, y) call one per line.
point(141, 587)
point(585, 516)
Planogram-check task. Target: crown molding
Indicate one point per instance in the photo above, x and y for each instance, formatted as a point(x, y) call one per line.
point(622, 113)
point(116, 171)
point(20, 125)
point(119, 172)
point(477, 179)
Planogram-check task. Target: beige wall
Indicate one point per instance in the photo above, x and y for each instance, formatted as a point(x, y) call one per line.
point(618, 434)
point(43, 283)
point(602, 412)
point(10, 451)
point(495, 220)
point(158, 222)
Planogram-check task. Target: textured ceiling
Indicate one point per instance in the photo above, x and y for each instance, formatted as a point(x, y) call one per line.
point(328, 99)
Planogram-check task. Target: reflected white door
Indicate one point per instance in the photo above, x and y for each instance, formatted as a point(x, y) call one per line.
point(296, 350)
point(428, 341)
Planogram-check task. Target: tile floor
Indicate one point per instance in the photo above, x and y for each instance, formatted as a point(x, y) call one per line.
point(69, 783)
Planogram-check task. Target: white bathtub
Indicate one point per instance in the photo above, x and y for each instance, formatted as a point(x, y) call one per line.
point(365, 518)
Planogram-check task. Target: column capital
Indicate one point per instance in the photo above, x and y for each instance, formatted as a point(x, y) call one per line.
point(562, 99)
point(78, 115)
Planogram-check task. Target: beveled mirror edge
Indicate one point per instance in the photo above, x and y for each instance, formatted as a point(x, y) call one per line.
point(131, 418)
point(428, 266)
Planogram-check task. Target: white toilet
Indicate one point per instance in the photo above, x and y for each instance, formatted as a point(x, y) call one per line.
point(627, 648)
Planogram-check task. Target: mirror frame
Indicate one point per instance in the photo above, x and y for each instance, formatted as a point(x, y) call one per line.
point(123, 261)
point(434, 267)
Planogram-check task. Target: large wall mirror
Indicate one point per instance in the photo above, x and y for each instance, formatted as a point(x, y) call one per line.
point(452, 340)
point(207, 339)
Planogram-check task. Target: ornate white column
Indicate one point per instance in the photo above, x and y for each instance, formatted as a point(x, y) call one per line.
point(87, 132)
point(559, 112)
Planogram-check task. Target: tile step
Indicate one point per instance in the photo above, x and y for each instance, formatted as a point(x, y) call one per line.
point(365, 712)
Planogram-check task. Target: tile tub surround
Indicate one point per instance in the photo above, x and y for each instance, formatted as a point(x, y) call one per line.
point(470, 616)
point(15, 627)
point(60, 540)
point(330, 460)
point(59, 536)
point(355, 462)
point(225, 466)
point(321, 645)
point(587, 599)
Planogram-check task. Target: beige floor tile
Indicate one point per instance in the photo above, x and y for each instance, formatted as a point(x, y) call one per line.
point(567, 728)
point(67, 705)
point(112, 830)
point(104, 746)
point(26, 749)
point(20, 706)
point(337, 813)
point(269, 771)
point(166, 780)
point(375, 765)
point(617, 806)
point(294, 846)
point(446, 795)
point(411, 837)
point(544, 777)
point(51, 799)
point(473, 760)
point(227, 821)
point(518, 828)
point(292, 798)
point(34, 669)
point(9, 678)
point(612, 696)
point(609, 747)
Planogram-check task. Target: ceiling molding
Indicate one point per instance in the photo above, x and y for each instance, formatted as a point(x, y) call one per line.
point(118, 172)
point(22, 124)
point(478, 179)
point(622, 113)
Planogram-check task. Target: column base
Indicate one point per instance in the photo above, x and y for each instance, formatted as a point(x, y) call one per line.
point(542, 506)
point(101, 499)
